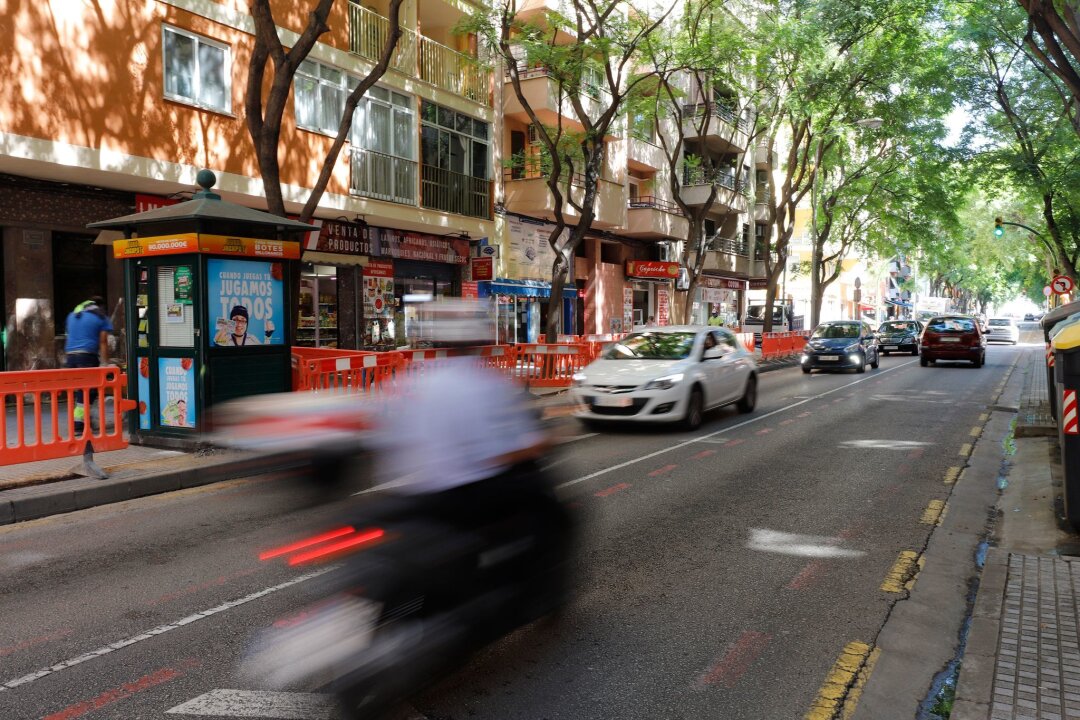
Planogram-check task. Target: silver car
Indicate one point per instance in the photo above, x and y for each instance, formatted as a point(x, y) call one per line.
point(1002, 329)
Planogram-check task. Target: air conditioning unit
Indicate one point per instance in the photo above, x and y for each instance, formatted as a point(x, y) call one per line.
point(534, 135)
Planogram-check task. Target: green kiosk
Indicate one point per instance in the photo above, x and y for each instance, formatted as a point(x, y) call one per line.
point(207, 307)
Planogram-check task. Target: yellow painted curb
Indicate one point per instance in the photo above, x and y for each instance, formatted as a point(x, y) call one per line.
point(867, 669)
point(975, 431)
point(951, 475)
point(933, 513)
point(965, 450)
point(843, 676)
point(902, 571)
point(984, 417)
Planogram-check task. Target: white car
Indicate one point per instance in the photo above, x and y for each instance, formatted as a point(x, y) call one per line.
point(669, 374)
point(1003, 329)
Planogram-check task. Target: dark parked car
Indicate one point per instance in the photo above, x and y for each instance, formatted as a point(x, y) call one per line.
point(841, 344)
point(899, 336)
point(952, 337)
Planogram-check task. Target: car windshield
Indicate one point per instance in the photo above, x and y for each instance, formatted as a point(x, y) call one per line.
point(831, 332)
point(951, 324)
point(653, 346)
point(757, 312)
point(1000, 322)
point(897, 327)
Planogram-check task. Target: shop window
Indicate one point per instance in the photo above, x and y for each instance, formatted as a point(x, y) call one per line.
point(318, 326)
point(78, 274)
point(197, 70)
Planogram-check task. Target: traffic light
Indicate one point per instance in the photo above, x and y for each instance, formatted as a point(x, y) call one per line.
point(999, 228)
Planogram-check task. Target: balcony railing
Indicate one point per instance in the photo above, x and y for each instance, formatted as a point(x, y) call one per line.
point(729, 245)
point(383, 177)
point(654, 203)
point(591, 82)
point(418, 56)
point(453, 192)
point(536, 169)
point(718, 110)
point(761, 196)
point(701, 176)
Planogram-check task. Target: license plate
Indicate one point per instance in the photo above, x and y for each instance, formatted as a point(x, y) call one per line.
point(608, 401)
point(829, 358)
point(946, 339)
point(888, 347)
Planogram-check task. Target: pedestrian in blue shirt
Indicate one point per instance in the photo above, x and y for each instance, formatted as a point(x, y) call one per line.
point(88, 328)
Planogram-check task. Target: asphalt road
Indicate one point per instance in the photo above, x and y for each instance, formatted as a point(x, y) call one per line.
point(722, 572)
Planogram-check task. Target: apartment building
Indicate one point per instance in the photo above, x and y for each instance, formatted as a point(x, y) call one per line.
point(112, 107)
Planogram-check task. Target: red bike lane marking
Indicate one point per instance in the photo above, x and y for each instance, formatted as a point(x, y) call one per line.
point(763, 431)
point(116, 694)
point(806, 576)
point(916, 453)
point(805, 414)
point(40, 639)
point(733, 443)
point(787, 422)
point(612, 490)
point(662, 471)
point(216, 582)
point(703, 454)
point(736, 659)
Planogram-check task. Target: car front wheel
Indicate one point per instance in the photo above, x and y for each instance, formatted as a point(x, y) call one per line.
point(874, 364)
point(695, 408)
point(862, 365)
point(749, 398)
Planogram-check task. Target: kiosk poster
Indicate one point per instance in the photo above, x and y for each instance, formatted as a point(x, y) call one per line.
point(182, 285)
point(144, 393)
point(176, 392)
point(246, 301)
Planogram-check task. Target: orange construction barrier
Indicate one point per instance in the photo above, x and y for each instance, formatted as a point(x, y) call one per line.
point(45, 431)
point(351, 373)
point(301, 356)
point(747, 340)
point(542, 365)
point(770, 345)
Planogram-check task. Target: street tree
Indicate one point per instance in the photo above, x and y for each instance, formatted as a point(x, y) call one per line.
point(590, 51)
point(1052, 37)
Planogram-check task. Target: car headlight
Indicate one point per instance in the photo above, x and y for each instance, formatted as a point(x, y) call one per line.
point(854, 347)
point(578, 379)
point(907, 339)
point(664, 383)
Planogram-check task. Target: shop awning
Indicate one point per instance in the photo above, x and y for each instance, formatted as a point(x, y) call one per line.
point(898, 303)
point(521, 288)
point(325, 258)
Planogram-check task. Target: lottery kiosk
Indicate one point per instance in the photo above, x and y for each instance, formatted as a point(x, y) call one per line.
point(208, 290)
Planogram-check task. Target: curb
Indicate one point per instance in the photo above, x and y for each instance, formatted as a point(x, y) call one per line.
point(38, 501)
point(974, 687)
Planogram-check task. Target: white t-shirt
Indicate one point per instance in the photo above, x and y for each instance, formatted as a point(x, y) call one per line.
point(449, 425)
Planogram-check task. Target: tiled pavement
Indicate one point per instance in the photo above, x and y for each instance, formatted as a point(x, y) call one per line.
point(1034, 417)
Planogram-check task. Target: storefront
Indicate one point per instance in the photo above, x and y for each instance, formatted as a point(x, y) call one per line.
point(360, 284)
point(719, 301)
point(522, 306)
point(647, 295)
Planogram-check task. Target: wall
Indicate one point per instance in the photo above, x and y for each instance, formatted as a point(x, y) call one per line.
point(28, 298)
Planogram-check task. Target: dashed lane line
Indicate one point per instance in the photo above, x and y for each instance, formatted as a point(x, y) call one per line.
point(717, 433)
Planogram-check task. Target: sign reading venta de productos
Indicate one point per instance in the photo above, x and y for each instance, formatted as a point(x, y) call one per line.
point(655, 269)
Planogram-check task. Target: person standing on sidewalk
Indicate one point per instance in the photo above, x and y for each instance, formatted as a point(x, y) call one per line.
point(87, 345)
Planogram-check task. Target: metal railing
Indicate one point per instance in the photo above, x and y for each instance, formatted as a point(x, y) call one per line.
point(761, 196)
point(453, 192)
point(538, 169)
point(418, 56)
point(654, 203)
point(383, 177)
point(729, 245)
point(700, 176)
point(590, 81)
point(718, 110)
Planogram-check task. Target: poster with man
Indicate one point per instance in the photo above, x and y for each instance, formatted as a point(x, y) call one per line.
point(246, 302)
point(176, 392)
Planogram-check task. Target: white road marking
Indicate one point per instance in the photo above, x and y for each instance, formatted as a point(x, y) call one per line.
point(705, 438)
point(261, 704)
point(575, 438)
point(784, 543)
point(716, 441)
point(159, 630)
point(882, 444)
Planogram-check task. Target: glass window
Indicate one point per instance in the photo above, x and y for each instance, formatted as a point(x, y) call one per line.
point(450, 145)
point(653, 346)
point(831, 331)
point(319, 92)
point(951, 324)
point(196, 70)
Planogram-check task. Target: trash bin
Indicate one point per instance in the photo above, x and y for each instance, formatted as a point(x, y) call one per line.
point(1048, 322)
point(1066, 348)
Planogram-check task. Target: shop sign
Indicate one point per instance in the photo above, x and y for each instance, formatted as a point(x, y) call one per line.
point(143, 389)
point(663, 313)
point(483, 268)
point(529, 255)
point(420, 246)
point(176, 392)
point(145, 202)
point(491, 251)
point(249, 247)
point(470, 289)
point(379, 268)
point(379, 289)
point(154, 246)
point(245, 302)
point(341, 238)
point(652, 269)
point(759, 283)
point(711, 281)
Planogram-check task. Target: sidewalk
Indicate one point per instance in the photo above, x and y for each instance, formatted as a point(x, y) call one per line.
point(1022, 658)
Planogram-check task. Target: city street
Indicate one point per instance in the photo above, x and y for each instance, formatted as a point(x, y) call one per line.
point(722, 572)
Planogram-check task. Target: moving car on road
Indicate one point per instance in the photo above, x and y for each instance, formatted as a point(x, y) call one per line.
point(841, 344)
point(952, 337)
point(1003, 329)
point(666, 375)
point(899, 336)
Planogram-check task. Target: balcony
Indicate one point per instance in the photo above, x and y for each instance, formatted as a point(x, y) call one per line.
point(541, 91)
point(453, 192)
point(726, 133)
point(728, 254)
point(527, 193)
point(761, 205)
point(644, 155)
point(417, 56)
point(761, 155)
point(697, 184)
point(383, 177)
point(652, 218)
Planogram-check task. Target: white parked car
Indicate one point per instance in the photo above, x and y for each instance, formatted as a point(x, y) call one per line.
point(668, 374)
point(1003, 329)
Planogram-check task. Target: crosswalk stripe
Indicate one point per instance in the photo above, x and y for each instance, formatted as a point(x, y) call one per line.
point(261, 704)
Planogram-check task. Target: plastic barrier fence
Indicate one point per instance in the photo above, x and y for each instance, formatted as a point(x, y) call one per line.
point(543, 365)
point(43, 426)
